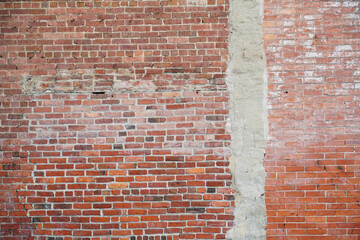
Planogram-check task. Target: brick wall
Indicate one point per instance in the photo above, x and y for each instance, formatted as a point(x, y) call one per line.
point(114, 120)
point(313, 159)
point(126, 164)
point(84, 46)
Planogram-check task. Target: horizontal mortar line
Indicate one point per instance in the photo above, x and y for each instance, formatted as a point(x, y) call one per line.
point(127, 91)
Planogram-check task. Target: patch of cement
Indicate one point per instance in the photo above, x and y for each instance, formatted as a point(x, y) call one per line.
point(247, 84)
point(30, 84)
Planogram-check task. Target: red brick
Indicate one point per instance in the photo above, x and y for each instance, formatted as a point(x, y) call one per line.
point(126, 93)
point(306, 172)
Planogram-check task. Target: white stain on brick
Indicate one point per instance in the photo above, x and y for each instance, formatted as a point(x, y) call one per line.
point(342, 48)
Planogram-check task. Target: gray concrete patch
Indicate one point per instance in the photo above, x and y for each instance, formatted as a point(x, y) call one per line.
point(247, 84)
point(30, 84)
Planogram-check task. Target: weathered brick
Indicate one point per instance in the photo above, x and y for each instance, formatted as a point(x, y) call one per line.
point(308, 160)
point(113, 119)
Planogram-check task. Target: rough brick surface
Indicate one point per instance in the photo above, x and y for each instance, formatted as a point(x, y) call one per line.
point(129, 164)
point(313, 161)
point(114, 120)
point(81, 46)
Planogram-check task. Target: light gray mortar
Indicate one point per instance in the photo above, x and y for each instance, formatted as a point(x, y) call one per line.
point(247, 84)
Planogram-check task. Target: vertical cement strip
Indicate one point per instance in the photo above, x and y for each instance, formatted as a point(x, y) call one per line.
point(247, 83)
